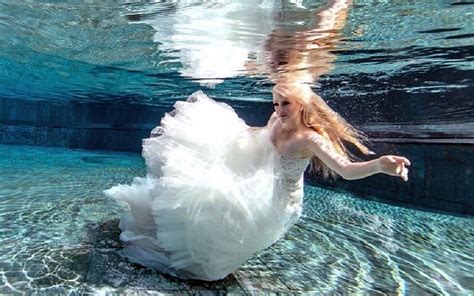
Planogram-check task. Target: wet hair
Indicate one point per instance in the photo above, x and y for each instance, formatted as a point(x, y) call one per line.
point(318, 116)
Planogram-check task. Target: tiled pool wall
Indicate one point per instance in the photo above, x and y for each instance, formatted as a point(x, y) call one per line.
point(75, 125)
point(441, 177)
point(102, 126)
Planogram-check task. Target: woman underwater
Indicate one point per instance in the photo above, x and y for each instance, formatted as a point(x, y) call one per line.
point(218, 191)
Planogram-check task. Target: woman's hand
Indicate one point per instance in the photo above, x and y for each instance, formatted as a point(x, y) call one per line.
point(394, 166)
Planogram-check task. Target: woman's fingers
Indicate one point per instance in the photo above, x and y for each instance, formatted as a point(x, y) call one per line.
point(401, 159)
point(398, 169)
point(402, 171)
point(395, 166)
point(404, 174)
point(405, 161)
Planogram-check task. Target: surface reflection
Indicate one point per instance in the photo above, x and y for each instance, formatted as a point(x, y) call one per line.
point(211, 41)
point(303, 54)
point(403, 69)
point(282, 40)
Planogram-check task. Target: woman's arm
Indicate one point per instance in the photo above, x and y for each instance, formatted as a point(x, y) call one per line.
point(388, 164)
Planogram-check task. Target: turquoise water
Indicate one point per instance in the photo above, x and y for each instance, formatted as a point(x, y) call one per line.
point(387, 55)
point(392, 68)
point(59, 235)
point(71, 70)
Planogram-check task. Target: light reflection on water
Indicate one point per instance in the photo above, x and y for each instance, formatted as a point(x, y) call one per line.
point(60, 235)
point(378, 63)
point(76, 46)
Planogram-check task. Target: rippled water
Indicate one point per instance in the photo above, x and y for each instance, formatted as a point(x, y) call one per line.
point(377, 60)
point(60, 234)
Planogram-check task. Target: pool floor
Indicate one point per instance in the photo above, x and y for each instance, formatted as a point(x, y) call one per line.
point(59, 235)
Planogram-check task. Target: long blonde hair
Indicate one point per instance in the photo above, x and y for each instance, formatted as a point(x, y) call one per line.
point(326, 122)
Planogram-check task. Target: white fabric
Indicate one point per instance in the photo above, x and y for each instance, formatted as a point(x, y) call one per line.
point(215, 193)
point(207, 51)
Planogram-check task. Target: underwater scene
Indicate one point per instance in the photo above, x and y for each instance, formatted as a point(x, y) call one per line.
point(82, 83)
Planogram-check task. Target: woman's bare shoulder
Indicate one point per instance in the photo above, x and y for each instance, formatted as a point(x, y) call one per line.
point(315, 141)
point(311, 135)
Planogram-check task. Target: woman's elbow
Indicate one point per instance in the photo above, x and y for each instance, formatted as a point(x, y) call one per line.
point(348, 177)
point(346, 173)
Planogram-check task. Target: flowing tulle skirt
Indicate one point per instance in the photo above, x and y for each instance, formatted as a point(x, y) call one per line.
point(212, 196)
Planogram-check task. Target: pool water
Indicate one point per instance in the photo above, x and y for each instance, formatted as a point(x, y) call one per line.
point(59, 234)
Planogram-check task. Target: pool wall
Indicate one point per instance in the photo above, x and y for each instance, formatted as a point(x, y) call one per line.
point(441, 177)
point(76, 125)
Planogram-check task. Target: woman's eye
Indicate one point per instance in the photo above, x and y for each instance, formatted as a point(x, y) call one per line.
point(275, 104)
point(285, 103)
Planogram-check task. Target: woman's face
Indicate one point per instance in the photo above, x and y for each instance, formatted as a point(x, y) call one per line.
point(286, 108)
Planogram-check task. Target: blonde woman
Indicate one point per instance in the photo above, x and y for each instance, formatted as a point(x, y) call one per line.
point(218, 191)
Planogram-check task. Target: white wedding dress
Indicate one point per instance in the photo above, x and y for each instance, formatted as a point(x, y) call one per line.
point(216, 192)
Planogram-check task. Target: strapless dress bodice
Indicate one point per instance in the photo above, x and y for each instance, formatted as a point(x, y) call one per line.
point(292, 170)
